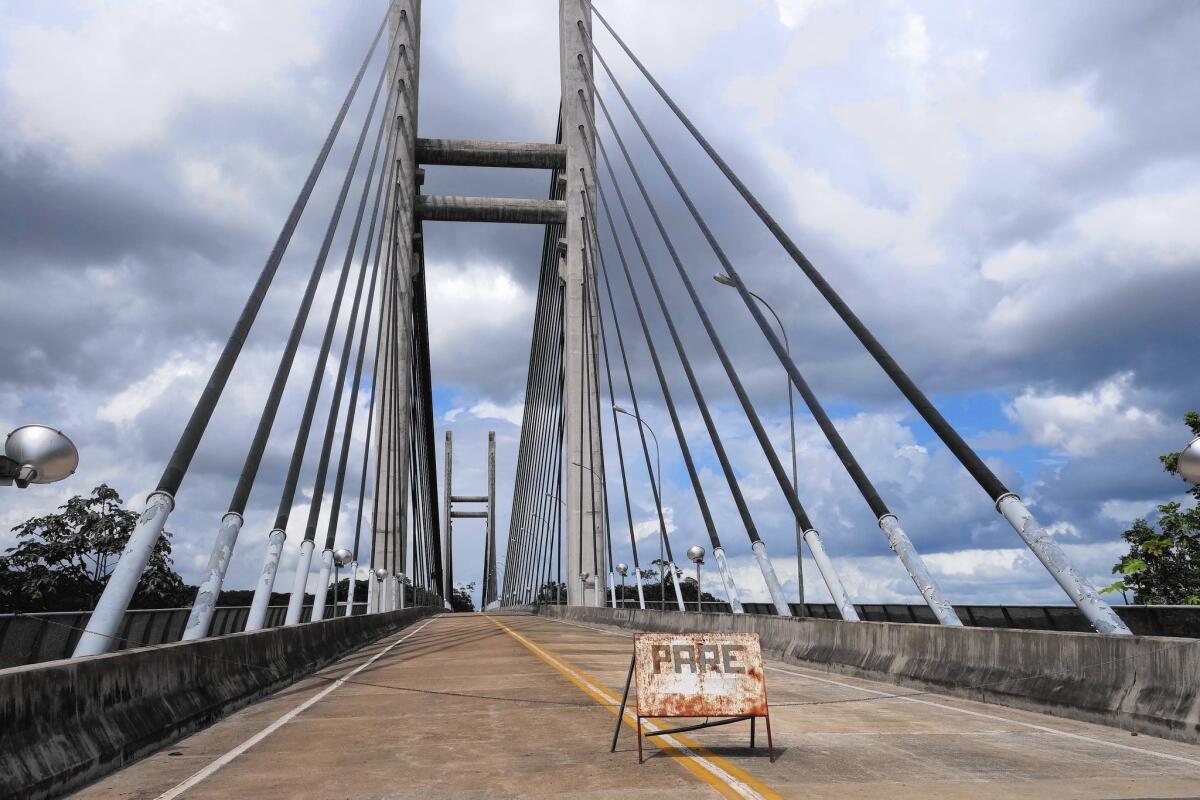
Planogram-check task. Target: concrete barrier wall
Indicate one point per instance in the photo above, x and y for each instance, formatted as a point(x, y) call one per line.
point(1148, 684)
point(66, 723)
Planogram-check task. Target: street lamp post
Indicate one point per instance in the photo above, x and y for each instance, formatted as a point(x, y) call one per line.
point(725, 280)
point(380, 574)
point(695, 553)
point(662, 585)
point(341, 558)
point(622, 570)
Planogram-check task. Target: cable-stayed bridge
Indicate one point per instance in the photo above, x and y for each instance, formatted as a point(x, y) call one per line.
point(521, 696)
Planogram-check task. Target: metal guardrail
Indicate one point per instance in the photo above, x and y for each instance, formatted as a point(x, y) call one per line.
point(49, 636)
point(1178, 621)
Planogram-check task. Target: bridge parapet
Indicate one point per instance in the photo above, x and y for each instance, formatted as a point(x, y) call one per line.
point(1145, 684)
point(66, 723)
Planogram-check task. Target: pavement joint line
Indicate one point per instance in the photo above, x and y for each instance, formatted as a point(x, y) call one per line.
point(212, 768)
point(727, 779)
point(983, 715)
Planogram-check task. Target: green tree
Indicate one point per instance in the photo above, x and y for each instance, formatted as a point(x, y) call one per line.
point(460, 597)
point(62, 561)
point(1163, 564)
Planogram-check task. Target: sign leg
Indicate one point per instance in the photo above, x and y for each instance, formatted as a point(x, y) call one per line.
point(770, 744)
point(639, 726)
point(624, 700)
point(752, 721)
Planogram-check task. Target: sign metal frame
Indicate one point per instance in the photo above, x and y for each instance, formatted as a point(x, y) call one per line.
point(705, 652)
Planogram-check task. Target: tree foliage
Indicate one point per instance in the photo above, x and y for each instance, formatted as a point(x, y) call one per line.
point(62, 561)
point(1163, 564)
point(460, 597)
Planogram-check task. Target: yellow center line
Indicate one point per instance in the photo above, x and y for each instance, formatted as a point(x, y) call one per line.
point(724, 777)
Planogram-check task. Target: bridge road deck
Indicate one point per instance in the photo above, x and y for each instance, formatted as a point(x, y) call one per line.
point(367, 739)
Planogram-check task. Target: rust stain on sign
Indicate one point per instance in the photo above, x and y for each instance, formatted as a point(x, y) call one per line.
point(699, 675)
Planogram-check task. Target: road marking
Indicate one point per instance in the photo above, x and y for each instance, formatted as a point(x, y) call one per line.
point(728, 780)
point(279, 723)
point(1044, 729)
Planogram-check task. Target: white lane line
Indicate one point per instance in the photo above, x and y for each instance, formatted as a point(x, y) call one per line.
point(279, 723)
point(996, 717)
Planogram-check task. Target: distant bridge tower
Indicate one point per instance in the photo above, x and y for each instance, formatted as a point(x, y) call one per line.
point(583, 460)
point(567, 215)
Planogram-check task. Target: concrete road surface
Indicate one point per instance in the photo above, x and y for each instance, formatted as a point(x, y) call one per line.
point(474, 706)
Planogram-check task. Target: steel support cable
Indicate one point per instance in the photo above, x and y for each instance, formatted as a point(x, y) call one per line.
point(554, 531)
point(181, 458)
point(257, 615)
point(604, 548)
point(655, 489)
point(110, 609)
point(395, 485)
point(666, 390)
point(587, 385)
point(612, 398)
point(549, 494)
point(743, 510)
point(344, 365)
point(356, 381)
point(375, 375)
point(289, 488)
point(522, 511)
point(536, 435)
point(889, 523)
point(387, 379)
point(429, 542)
point(1008, 503)
point(548, 442)
point(547, 400)
point(517, 511)
point(756, 542)
point(546, 465)
point(381, 389)
point(287, 496)
point(828, 572)
point(594, 323)
point(200, 617)
point(430, 546)
point(362, 484)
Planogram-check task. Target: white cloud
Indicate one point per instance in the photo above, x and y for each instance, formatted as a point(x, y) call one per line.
point(125, 406)
point(1048, 123)
point(466, 304)
point(647, 528)
point(520, 38)
point(1086, 423)
point(486, 409)
point(1121, 238)
point(913, 44)
point(117, 78)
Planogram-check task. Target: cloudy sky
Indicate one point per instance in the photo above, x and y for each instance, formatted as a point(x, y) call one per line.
point(1006, 193)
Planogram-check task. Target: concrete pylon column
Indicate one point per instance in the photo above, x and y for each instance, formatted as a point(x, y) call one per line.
point(404, 25)
point(584, 519)
point(489, 579)
point(448, 522)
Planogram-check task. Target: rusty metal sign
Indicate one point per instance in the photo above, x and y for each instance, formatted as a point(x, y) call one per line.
point(699, 675)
